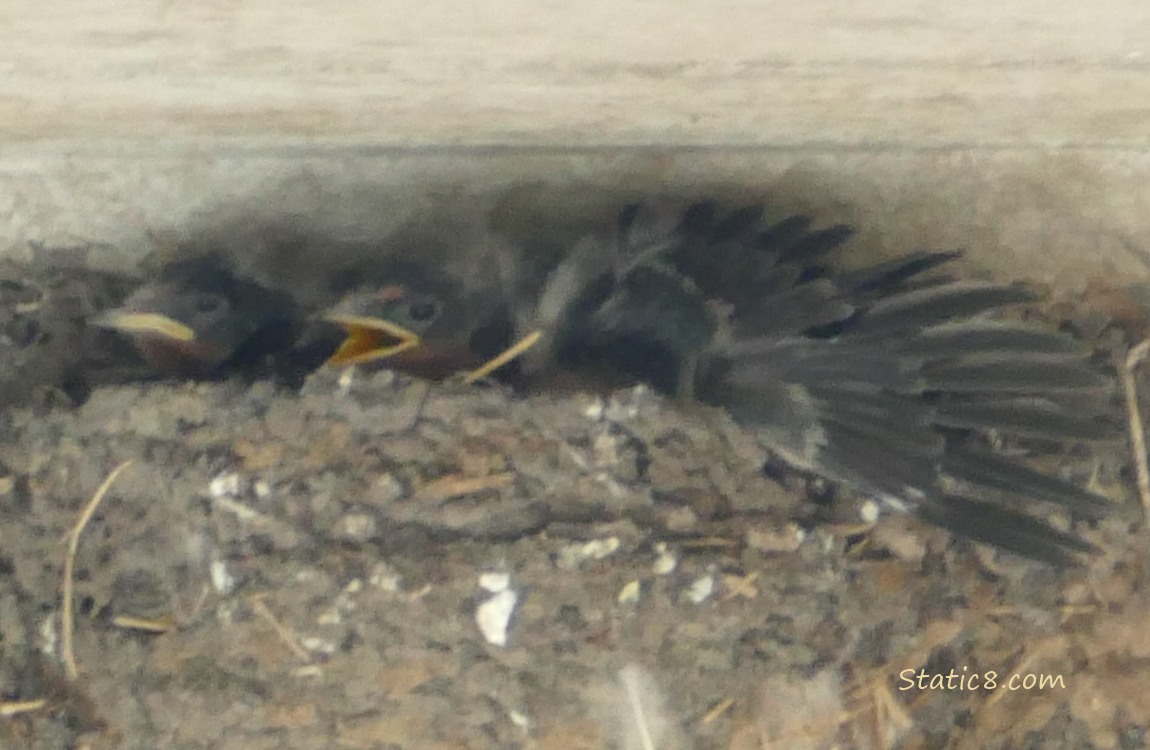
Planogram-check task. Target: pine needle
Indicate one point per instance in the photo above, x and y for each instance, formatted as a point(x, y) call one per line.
point(67, 615)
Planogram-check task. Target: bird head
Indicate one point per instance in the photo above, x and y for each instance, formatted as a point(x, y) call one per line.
point(381, 323)
point(422, 324)
point(197, 317)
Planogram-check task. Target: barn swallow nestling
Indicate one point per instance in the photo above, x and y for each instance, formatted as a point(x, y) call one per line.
point(893, 379)
point(548, 321)
point(422, 323)
point(198, 319)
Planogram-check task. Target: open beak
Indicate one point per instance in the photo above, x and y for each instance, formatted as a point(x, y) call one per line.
point(147, 324)
point(369, 339)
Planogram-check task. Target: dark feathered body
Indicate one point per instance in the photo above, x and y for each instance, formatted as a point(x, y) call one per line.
point(894, 379)
point(890, 379)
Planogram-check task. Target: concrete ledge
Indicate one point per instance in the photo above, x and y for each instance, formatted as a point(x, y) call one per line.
point(1050, 215)
point(1016, 130)
point(895, 72)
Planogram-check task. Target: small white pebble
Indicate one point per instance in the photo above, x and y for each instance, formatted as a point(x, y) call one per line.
point(308, 670)
point(787, 537)
point(630, 592)
point(386, 488)
point(494, 616)
point(595, 410)
point(345, 600)
point(238, 509)
point(597, 549)
point(494, 583)
point(519, 719)
point(827, 542)
point(317, 645)
point(356, 527)
point(223, 582)
point(573, 555)
point(262, 488)
point(346, 378)
point(665, 560)
point(330, 616)
point(902, 505)
point(869, 512)
point(226, 485)
point(385, 578)
point(701, 590)
point(681, 518)
point(625, 405)
point(48, 637)
point(227, 611)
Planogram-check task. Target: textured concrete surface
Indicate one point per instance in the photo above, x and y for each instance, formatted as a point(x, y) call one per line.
point(1016, 130)
point(512, 71)
point(1061, 216)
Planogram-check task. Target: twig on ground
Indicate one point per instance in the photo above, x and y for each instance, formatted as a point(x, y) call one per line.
point(1134, 421)
point(67, 615)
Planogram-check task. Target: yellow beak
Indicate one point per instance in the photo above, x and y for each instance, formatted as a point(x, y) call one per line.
point(148, 323)
point(369, 339)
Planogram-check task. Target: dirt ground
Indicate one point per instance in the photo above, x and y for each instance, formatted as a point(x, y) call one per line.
point(377, 563)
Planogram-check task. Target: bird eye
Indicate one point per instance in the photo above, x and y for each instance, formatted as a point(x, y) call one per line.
point(421, 312)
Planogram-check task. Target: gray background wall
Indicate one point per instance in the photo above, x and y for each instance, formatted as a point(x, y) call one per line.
point(1016, 130)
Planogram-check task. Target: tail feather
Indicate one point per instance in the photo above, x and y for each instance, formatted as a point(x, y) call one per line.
point(784, 233)
point(873, 465)
point(776, 279)
point(1005, 528)
point(1021, 484)
point(1024, 416)
point(1014, 372)
point(885, 278)
point(814, 363)
point(814, 245)
point(806, 306)
point(941, 303)
point(948, 340)
point(738, 224)
point(890, 434)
